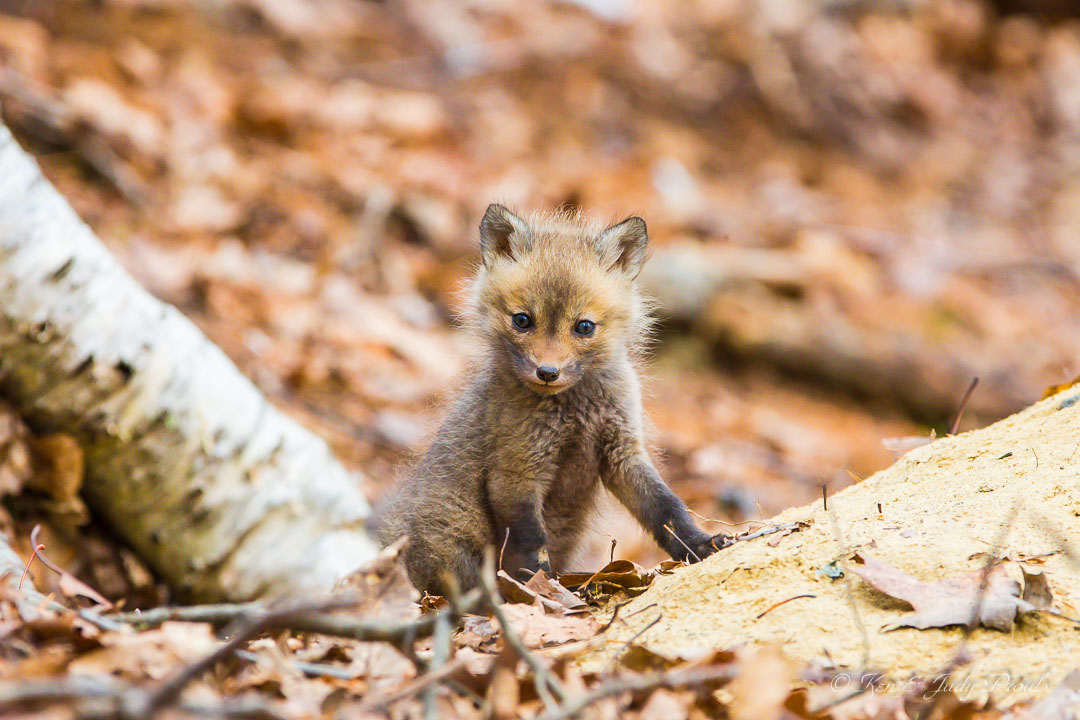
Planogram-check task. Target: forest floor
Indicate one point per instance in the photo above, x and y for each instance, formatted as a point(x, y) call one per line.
point(303, 180)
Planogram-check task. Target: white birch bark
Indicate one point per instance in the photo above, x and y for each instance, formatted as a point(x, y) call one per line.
point(223, 495)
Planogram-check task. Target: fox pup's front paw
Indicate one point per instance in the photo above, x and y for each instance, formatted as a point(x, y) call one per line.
point(706, 545)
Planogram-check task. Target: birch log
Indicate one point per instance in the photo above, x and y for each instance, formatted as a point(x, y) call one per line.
point(224, 496)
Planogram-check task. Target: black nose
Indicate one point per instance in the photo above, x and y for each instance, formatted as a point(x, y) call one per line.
point(547, 373)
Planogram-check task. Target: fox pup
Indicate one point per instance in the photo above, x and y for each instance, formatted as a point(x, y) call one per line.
point(550, 415)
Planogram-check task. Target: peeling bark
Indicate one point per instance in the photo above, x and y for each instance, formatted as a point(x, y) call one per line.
point(223, 495)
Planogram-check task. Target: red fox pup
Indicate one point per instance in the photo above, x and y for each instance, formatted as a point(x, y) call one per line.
point(550, 414)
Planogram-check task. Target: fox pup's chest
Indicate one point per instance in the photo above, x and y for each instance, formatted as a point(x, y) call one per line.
point(577, 466)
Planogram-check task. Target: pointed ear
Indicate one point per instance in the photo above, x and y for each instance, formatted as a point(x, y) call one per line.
point(624, 245)
point(502, 234)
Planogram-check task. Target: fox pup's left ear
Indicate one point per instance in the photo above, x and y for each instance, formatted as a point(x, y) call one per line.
point(624, 245)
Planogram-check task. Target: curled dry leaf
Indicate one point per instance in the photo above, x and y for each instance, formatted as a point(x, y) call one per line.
point(513, 591)
point(617, 576)
point(951, 601)
point(553, 590)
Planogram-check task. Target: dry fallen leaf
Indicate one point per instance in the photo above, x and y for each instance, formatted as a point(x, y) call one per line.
point(553, 590)
point(620, 575)
point(539, 629)
point(950, 601)
point(1036, 590)
point(153, 653)
point(478, 632)
point(663, 703)
point(762, 685)
point(513, 591)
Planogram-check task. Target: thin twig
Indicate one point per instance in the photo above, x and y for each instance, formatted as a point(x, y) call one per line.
point(82, 588)
point(307, 668)
point(623, 648)
point(303, 617)
point(963, 404)
point(39, 547)
point(169, 691)
point(416, 686)
point(1056, 614)
point(33, 554)
point(336, 625)
point(614, 615)
point(641, 610)
point(545, 682)
point(506, 539)
point(87, 696)
point(692, 553)
point(724, 522)
point(440, 656)
point(638, 683)
point(783, 602)
point(216, 614)
point(765, 531)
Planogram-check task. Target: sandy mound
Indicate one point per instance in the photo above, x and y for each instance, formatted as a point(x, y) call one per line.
point(941, 505)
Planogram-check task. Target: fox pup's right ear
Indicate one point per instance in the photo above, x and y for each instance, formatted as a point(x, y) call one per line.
point(502, 234)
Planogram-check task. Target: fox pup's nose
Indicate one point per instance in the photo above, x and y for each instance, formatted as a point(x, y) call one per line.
point(547, 373)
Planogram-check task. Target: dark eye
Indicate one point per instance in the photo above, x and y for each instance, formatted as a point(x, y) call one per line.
point(584, 327)
point(521, 321)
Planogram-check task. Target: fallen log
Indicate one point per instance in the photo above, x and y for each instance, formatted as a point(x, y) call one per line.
point(835, 322)
point(222, 494)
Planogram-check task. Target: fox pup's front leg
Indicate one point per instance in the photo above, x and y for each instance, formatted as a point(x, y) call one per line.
point(520, 536)
point(633, 479)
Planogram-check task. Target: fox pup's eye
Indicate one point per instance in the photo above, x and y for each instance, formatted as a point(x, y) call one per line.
point(585, 327)
point(521, 321)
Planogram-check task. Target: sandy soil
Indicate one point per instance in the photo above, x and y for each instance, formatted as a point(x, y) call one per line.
point(1012, 484)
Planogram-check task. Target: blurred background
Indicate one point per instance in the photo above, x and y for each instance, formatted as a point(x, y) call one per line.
point(856, 207)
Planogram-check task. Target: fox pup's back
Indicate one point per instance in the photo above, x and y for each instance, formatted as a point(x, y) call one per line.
point(551, 413)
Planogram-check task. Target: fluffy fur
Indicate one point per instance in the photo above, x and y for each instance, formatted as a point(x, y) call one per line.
point(522, 455)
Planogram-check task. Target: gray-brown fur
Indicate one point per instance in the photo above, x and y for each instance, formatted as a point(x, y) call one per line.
point(522, 460)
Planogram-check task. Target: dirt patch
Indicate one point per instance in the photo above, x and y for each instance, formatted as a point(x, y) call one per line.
point(943, 506)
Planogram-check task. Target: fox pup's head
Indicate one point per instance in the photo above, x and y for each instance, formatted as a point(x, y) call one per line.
point(556, 295)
